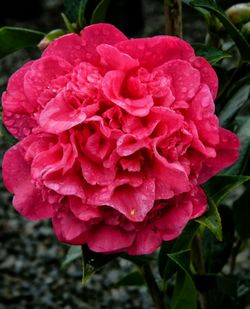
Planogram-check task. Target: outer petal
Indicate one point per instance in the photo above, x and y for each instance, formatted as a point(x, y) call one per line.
point(175, 219)
point(147, 240)
point(227, 153)
point(199, 201)
point(16, 175)
point(76, 49)
point(110, 239)
point(68, 228)
point(19, 125)
point(185, 79)
point(208, 75)
point(40, 75)
point(155, 51)
point(68, 47)
point(97, 34)
point(14, 99)
point(116, 60)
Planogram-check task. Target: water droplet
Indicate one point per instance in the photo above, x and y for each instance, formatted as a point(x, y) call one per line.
point(26, 131)
point(141, 46)
point(88, 55)
point(205, 102)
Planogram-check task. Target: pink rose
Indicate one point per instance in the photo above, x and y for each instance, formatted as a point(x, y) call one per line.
point(116, 136)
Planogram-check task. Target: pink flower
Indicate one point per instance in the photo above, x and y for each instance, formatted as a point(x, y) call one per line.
point(116, 136)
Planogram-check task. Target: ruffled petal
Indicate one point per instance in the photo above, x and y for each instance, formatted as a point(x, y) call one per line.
point(110, 239)
point(185, 79)
point(199, 201)
point(208, 75)
point(147, 240)
point(19, 125)
point(112, 58)
point(68, 47)
point(112, 84)
point(28, 199)
point(14, 99)
point(68, 228)
point(41, 74)
point(227, 152)
point(155, 51)
point(59, 115)
point(174, 220)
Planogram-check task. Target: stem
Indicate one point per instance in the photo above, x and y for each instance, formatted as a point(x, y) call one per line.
point(173, 17)
point(154, 290)
point(234, 254)
point(197, 256)
point(199, 265)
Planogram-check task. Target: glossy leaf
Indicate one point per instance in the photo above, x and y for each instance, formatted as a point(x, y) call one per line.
point(100, 12)
point(211, 220)
point(184, 292)
point(92, 262)
point(234, 104)
point(215, 282)
point(216, 253)
point(73, 254)
point(236, 35)
point(5, 135)
point(212, 55)
point(242, 124)
point(138, 259)
point(220, 186)
point(74, 9)
point(241, 211)
point(13, 39)
point(166, 265)
point(134, 278)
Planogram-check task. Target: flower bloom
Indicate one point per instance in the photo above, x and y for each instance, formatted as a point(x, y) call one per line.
point(116, 136)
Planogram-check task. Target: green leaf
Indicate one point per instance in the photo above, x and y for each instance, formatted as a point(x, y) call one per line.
point(220, 186)
point(73, 254)
point(215, 282)
point(241, 211)
point(242, 124)
point(138, 259)
point(5, 135)
point(166, 265)
point(212, 55)
point(54, 34)
point(217, 253)
point(13, 39)
point(184, 292)
point(211, 219)
point(236, 35)
point(134, 278)
point(93, 262)
point(75, 9)
point(100, 12)
point(234, 104)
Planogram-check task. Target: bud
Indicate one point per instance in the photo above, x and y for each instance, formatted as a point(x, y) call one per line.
point(246, 30)
point(51, 36)
point(239, 13)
